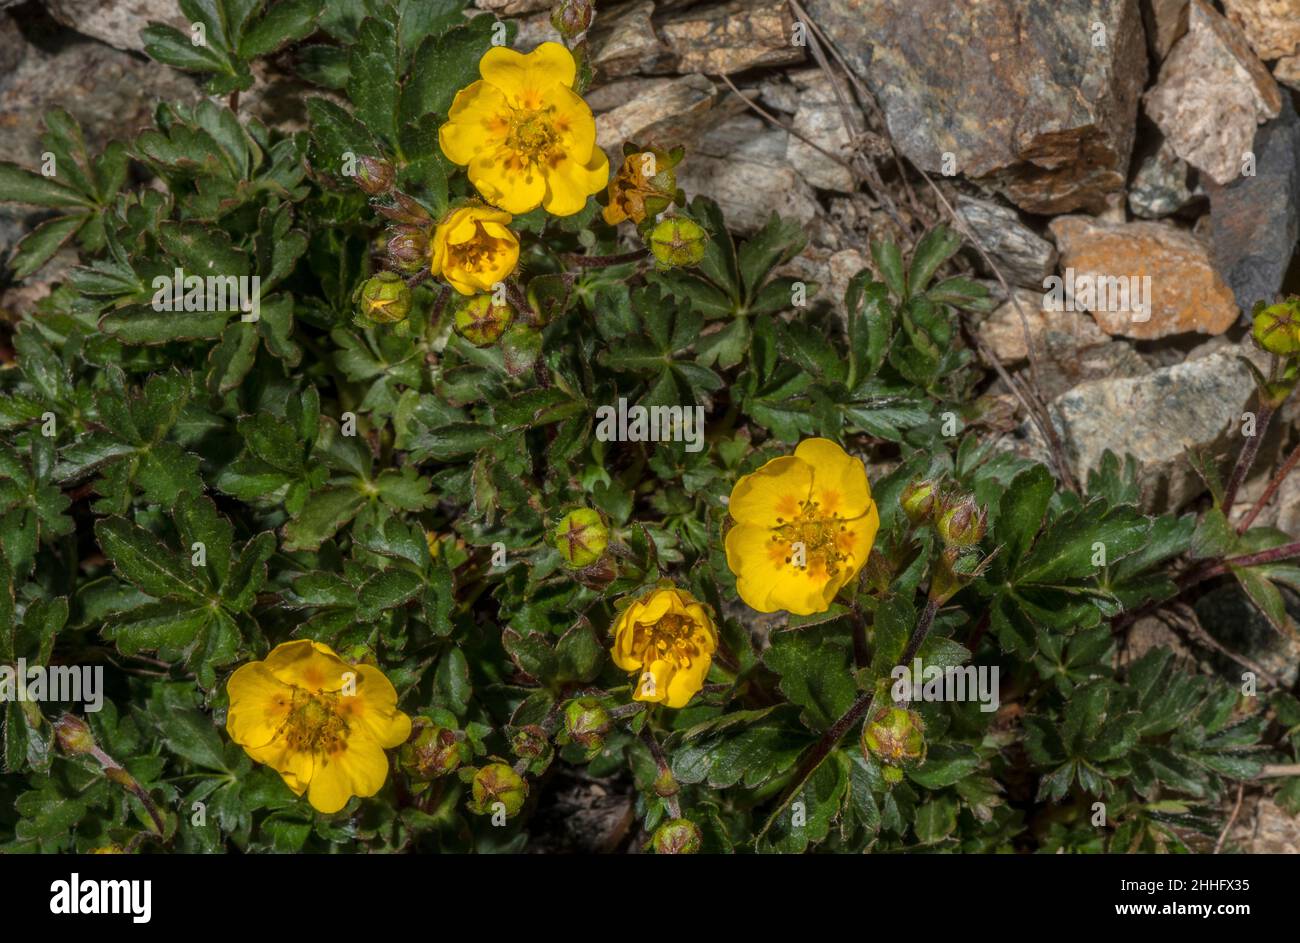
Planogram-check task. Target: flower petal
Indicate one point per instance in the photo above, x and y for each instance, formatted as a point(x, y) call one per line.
point(358, 770)
point(516, 74)
point(840, 483)
point(259, 704)
point(777, 490)
point(308, 664)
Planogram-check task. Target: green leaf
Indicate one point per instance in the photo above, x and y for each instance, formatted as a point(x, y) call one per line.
point(38, 246)
point(147, 562)
point(816, 669)
point(322, 516)
point(23, 186)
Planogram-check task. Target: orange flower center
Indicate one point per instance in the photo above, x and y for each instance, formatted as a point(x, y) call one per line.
point(670, 639)
point(814, 541)
point(316, 723)
point(474, 254)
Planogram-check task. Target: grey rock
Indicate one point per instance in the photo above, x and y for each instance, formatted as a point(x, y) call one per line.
point(111, 93)
point(1236, 623)
point(818, 119)
point(513, 7)
point(740, 160)
point(1156, 418)
point(1255, 221)
point(13, 45)
point(1159, 188)
point(1166, 22)
point(1056, 334)
point(1024, 257)
point(1014, 91)
point(624, 42)
point(666, 112)
point(1212, 93)
point(116, 22)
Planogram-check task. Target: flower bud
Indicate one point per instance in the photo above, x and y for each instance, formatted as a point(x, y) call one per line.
point(963, 523)
point(431, 751)
point(677, 837)
point(530, 742)
point(434, 544)
point(385, 298)
point(678, 241)
point(494, 783)
point(571, 17)
point(645, 185)
point(481, 321)
point(408, 248)
point(73, 735)
point(375, 175)
point(917, 500)
point(581, 537)
point(586, 722)
point(895, 736)
point(1276, 328)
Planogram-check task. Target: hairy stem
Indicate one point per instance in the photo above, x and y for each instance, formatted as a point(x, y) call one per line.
point(598, 261)
point(665, 773)
point(1287, 467)
point(1247, 457)
point(835, 733)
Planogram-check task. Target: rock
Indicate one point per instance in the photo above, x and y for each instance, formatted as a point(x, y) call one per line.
point(1166, 22)
point(1159, 188)
point(1236, 623)
point(1287, 503)
point(623, 41)
point(513, 7)
point(743, 157)
point(665, 111)
point(1014, 92)
point(731, 37)
point(1255, 221)
point(116, 22)
point(830, 269)
point(1212, 94)
point(1271, 26)
point(21, 297)
point(1024, 257)
point(1065, 331)
point(818, 118)
point(112, 94)
point(1268, 830)
point(1156, 418)
point(13, 45)
point(534, 30)
point(1112, 261)
point(1287, 71)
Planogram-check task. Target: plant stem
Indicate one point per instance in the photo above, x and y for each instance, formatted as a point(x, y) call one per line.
point(835, 733)
point(665, 773)
point(1287, 467)
point(1247, 457)
point(1272, 555)
point(597, 261)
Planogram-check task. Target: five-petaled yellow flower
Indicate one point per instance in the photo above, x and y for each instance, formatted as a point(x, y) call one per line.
point(473, 250)
point(526, 137)
point(668, 638)
point(319, 722)
point(804, 525)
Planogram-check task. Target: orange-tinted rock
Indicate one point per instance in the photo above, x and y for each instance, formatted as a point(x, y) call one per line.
point(1141, 280)
point(1272, 26)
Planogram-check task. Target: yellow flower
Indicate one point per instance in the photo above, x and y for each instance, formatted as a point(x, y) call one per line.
point(319, 722)
point(804, 527)
point(669, 638)
point(472, 248)
point(526, 137)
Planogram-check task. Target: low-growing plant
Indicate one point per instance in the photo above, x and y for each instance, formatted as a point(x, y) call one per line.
point(422, 529)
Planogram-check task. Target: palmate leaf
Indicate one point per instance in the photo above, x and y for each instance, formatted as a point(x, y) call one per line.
point(1051, 568)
